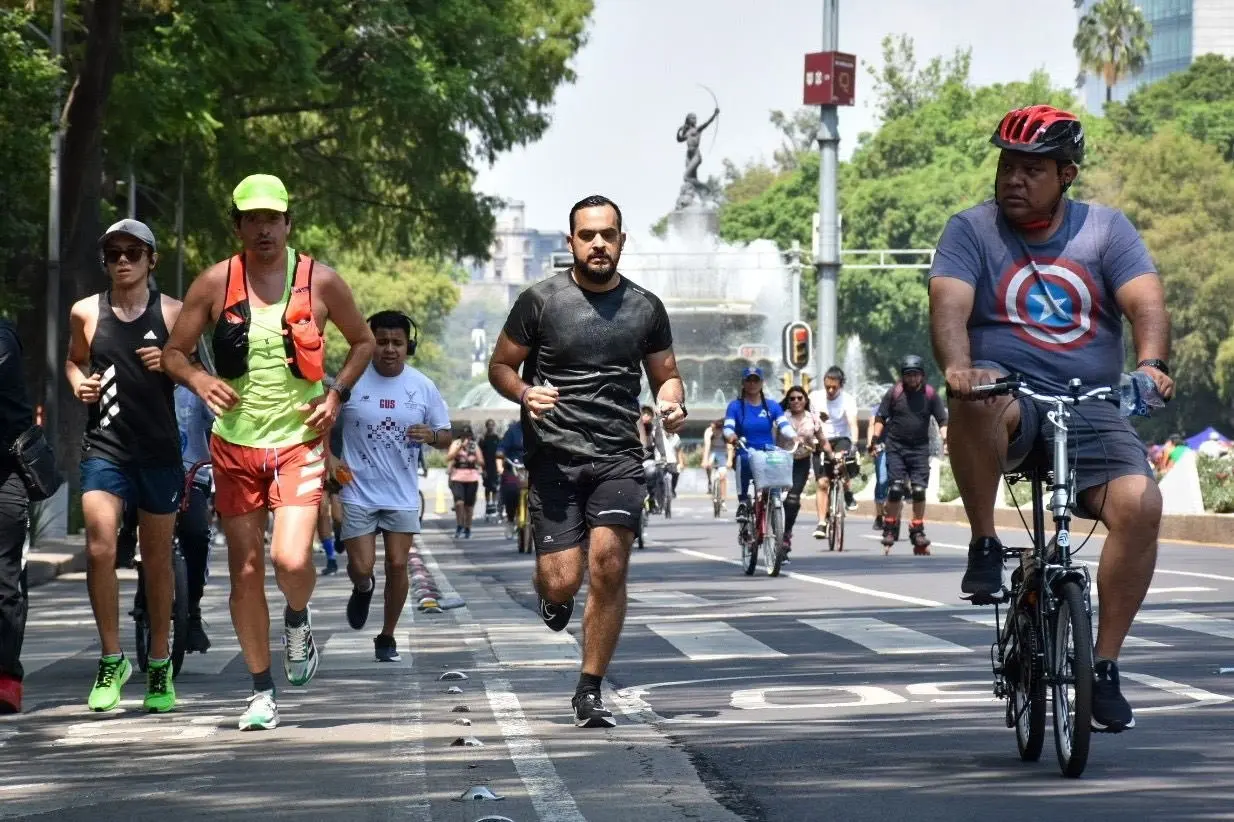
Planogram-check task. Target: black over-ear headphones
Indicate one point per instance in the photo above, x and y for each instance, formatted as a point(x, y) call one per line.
point(414, 340)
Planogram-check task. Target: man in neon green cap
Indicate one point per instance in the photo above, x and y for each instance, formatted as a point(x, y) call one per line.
point(269, 306)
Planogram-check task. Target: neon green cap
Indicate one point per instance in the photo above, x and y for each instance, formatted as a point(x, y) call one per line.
point(260, 191)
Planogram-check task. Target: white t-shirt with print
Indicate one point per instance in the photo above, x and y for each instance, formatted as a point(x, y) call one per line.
point(383, 461)
point(837, 411)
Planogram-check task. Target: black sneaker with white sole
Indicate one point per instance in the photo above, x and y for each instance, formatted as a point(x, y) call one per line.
point(589, 711)
point(358, 604)
point(386, 649)
point(556, 617)
point(984, 574)
point(1111, 711)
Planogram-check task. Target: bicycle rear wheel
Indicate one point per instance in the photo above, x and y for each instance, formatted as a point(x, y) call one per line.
point(667, 492)
point(717, 501)
point(141, 622)
point(746, 533)
point(1026, 684)
point(1071, 647)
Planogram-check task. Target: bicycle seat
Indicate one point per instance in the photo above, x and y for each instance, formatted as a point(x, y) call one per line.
point(989, 599)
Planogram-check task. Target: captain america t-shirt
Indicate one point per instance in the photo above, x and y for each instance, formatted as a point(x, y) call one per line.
point(1062, 321)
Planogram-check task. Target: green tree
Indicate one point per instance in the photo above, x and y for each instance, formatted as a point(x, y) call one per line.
point(1199, 101)
point(1112, 41)
point(28, 76)
point(901, 87)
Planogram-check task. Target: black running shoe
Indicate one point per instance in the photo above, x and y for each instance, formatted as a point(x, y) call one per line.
point(556, 617)
point(984, 574)
point(1111, 712)
point(878, 523)
point(743, 512)
point(589, 711)
point(386, 649)
point(357, 604)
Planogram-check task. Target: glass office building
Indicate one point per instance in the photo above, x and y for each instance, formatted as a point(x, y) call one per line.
point(1181, 31)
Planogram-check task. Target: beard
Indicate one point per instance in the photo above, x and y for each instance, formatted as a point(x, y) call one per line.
point(597, 270)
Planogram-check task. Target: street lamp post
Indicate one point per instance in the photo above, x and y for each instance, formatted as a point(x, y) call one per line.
point(828, 262)
point(51, 381)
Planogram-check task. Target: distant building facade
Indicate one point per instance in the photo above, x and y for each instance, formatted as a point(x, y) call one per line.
point(518, 257)
point(1182, 30)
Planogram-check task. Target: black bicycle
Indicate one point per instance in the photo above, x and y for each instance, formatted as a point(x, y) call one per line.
point(1045, 642)
point(179, 632)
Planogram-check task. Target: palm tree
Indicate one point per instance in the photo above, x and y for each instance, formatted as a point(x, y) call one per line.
point(1112, 40)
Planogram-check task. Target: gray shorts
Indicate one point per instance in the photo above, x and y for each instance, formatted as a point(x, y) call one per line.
point(1101, 443)
point(359, 521)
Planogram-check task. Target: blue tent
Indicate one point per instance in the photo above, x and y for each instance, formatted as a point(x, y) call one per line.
point(1202, 437)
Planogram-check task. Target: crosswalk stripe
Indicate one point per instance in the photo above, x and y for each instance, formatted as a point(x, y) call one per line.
point(987, 619)
point(532, 646)
point(713, 640)
point(885, 637)
point(1188, 621)
point(222, 652)
point(668, 599)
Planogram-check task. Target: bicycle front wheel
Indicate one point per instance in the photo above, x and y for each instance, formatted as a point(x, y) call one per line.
point(667, 493)
point(773, 545)
point(835, 528)
point(1072, 653)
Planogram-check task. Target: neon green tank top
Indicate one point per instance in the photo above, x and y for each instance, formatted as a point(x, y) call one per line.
point(267, 415)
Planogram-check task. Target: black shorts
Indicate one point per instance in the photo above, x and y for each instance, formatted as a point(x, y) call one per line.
point(464, 492)
point(569, 497)
point(825, 463)
point(491, 480)
point(908, 465)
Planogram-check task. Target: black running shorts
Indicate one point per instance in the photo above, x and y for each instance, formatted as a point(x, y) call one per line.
point(570, 496)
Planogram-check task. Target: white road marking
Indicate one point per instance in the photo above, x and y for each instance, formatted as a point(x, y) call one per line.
point(713, 640)
point(954, 693)
point(932, 543)
point(1176, 688)
point(532, 645)
point(682, 599)
point(349, 652)
point(1188, 621)
point(407, 746)
point(755, 699)
point(1182, 590)
point(885, 637)
point(830, 583)
point(32, 661)
point(1195, 574)
point(222, 651)
point(548, 793)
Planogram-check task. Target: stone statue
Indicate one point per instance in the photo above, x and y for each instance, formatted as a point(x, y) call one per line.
point(693, 189)
point(479, 343)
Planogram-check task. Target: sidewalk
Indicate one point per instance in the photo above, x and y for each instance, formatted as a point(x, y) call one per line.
point(53, 557)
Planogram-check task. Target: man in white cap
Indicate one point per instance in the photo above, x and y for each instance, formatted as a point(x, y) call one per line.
point(274, 405)
point(130, 451)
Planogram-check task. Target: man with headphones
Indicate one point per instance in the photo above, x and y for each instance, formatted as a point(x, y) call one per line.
point(840, 429)
point(130, 451)
point(393, 411)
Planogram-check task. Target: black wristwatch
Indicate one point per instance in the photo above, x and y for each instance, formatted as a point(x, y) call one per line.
point(1160, 365)
point(344, 393)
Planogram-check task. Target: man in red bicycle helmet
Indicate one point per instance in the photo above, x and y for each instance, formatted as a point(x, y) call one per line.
point(1035, 283)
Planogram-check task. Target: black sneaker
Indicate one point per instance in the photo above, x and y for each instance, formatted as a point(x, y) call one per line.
point(743, 512)
point(984, 574)
point(466, 533)
point(386, 649)
point(556, 617)
point(878, 523)
point(197, 641)
point(331, 567)
point(1111, 712)
point(589, 711)
point(357, 604)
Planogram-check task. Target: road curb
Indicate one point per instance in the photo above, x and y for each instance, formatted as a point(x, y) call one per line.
point(54, 558)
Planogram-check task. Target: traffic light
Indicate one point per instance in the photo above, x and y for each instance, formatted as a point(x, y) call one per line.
point(797, 344)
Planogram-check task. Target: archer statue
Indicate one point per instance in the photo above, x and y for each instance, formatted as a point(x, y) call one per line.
point(691, 187)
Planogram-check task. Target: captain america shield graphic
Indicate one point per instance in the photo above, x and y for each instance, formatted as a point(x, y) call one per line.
point(1054, 309)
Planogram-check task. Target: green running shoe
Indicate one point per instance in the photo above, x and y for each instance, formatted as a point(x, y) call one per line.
point(262, 713)
point(160, 687)
point(113, 673)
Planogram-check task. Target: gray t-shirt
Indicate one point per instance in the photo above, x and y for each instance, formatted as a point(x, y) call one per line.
point(1095, 252)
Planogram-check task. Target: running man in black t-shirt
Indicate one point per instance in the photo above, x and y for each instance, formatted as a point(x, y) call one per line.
point(902, 427)
point(583, 338)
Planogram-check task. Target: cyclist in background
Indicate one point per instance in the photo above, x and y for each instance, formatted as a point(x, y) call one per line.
point(757, 420)
point(716, 458)
point(510, 448)
point(652, 437)
point(880, 473)
point(810, 440)
point(488, 448)
point(1034, 283)
point(838, 409)
point(193, 525)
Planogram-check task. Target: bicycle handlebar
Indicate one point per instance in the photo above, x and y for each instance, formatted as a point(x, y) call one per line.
point(1020, 388)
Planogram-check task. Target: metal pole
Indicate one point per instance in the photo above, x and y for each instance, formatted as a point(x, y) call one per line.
point(827, 265)
point(794, 263)
point(180, 233)
point(132, 192)
point(51, 381)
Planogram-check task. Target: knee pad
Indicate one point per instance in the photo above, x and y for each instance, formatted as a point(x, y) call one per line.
point(895, 491)
point(919, 493)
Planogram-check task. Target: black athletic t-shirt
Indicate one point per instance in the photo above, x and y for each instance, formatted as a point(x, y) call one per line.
point(590, 347)
point(906, 415)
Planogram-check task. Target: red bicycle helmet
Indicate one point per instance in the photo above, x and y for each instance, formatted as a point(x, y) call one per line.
point(1043, 130)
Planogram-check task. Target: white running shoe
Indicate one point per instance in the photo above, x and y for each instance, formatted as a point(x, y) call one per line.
point(262, 713)
point(299, 651)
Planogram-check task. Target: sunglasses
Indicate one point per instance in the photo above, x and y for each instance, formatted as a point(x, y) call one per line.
point(796, 398)
point(132, 254)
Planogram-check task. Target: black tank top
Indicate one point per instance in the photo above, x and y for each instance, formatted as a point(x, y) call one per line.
point(134, 421)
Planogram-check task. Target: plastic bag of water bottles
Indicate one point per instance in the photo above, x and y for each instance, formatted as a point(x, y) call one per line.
point(1138, 395)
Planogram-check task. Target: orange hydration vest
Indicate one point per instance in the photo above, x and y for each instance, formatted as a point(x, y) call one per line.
point(303, 343)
